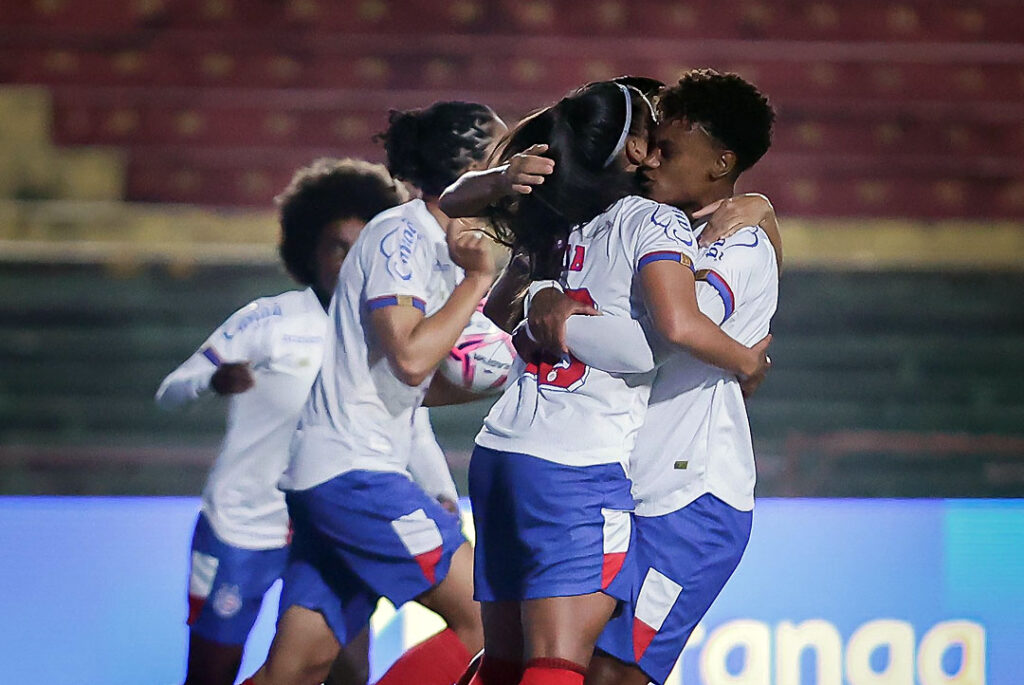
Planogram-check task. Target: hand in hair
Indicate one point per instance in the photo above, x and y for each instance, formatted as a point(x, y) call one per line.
point(527, 169)
point(475, 191)
point(468, 249)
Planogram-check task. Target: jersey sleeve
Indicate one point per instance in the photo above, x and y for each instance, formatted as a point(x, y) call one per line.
point(658, 232)
point(427, 463)
point(726, 271)
point(398, 264)
point(242, 338)
point(616, 344)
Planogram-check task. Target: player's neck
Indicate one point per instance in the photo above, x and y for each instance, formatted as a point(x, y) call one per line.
point(714, 192)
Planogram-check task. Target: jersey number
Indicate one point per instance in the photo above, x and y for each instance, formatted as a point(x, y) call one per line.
point(568, 373)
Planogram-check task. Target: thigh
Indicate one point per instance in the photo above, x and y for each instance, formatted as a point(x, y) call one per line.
point(303, 649)
point(352, 665)
point(503, 630)
point(565, 627)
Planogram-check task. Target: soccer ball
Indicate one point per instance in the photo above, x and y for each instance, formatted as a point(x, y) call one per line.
point(481, 358)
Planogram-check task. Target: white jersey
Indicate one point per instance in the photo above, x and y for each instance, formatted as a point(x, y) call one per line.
point(282, 337)
point(570, 413)
point(696, 438)
point(359, 415)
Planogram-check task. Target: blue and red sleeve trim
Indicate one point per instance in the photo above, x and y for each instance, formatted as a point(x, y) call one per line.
point(724, 291)
point(396, 300)
point(663, 256)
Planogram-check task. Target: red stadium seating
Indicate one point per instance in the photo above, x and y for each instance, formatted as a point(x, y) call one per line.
point(906, 109)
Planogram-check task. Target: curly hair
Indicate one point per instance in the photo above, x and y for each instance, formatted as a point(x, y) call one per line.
point(431, 147)
point(732, 110)
point(326, 191)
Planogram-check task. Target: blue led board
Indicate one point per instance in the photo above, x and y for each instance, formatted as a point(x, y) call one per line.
point(830, 592)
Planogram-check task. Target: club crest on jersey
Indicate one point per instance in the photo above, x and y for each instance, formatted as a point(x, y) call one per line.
point(227, 601)
point(674, 222)
point(397, 246)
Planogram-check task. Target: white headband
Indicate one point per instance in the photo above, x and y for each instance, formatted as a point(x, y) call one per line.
point(625, 128)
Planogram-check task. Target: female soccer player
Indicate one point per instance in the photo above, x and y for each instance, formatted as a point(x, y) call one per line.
point(551, 499)
point(264, 358)
point(362, 529)
point(693, 465)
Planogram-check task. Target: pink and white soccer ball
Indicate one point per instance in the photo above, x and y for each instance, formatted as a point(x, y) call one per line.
point(482, 357)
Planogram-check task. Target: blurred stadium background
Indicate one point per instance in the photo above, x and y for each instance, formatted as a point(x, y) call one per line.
point(142, 142)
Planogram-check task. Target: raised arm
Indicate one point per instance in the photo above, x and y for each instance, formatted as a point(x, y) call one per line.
point(415, 343)
point(475, 191)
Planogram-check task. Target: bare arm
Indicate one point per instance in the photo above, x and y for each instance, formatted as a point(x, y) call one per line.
point(475, 191)
point(415, 344)
point(669, 290)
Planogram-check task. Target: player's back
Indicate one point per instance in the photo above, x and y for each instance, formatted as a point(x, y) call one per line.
point(568, 412)
point(359, 414)
point(696, 437)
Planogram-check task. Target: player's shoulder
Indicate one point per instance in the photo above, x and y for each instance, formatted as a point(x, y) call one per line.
point(748, 247)
point(638, 214)
point(260, 312)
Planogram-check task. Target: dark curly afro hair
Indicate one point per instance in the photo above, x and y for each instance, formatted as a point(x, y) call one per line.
point(326, 191)
point(733, 111)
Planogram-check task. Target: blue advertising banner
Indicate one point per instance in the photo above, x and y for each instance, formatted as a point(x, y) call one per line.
point(830, 592)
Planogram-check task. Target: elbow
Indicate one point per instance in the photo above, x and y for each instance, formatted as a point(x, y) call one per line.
point(677, 331)
point(412, 372)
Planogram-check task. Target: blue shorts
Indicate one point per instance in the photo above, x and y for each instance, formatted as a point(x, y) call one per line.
point(226, 585)
point(361, 536)
point(548, 530)
point(683, 561)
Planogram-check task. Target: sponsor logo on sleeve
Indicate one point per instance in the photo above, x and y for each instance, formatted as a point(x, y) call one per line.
point(397, 246)
point(257, 314)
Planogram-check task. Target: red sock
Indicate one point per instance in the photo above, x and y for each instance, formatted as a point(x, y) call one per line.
point(439, 660)
point(248, 681)
point(497, 672)
point(553, 672)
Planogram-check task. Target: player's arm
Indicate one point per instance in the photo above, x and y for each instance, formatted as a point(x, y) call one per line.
point(504, 306)
point(670, 293)
point(428, 465)
point(615, 344)
point(220, 365)
point(414, 343)
point(663, 249)
point(475, 191)
point(735, 213)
